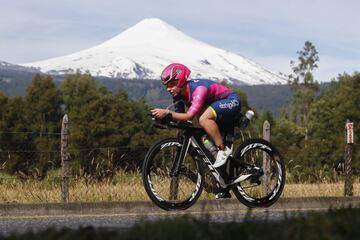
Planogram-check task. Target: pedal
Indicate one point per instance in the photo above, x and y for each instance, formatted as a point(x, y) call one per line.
point(223, 195)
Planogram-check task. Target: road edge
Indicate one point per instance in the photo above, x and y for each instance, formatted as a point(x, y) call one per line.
point(17, 209)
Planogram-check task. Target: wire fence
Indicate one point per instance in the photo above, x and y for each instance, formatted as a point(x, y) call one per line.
point(31, 170)
point(22, 163)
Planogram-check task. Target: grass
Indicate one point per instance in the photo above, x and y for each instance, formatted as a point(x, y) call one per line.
point(123, 187)
point(332, 224)
point(318, 190)
point(126, 187)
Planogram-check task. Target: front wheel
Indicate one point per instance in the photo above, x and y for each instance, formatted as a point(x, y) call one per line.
point(259, 159)
point(171, 192)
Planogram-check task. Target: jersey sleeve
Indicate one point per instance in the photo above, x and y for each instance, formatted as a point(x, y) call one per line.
point(198, 100)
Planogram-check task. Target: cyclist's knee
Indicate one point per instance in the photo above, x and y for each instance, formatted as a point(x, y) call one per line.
point(203, 121)
point(206, 116)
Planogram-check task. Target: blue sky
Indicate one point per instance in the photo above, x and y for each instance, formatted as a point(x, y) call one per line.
point(268, 32)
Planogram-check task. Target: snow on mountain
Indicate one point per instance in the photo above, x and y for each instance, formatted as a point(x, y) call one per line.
point(14, 67)
point(142, 51)
point(4, 64)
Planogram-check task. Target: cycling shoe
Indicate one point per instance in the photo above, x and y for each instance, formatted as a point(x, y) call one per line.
point(223, 195)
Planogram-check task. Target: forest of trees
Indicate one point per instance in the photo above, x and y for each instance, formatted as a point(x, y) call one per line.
point(98, 119)
point(309, 132)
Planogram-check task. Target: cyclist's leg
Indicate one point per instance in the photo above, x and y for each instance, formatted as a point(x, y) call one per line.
point(219, 115)
point(226, 110)
point(207, 120)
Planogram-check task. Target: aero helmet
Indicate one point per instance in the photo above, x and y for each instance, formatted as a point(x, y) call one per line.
point(175, 71)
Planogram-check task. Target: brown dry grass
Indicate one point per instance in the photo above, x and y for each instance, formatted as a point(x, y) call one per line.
point(318, 190)
point(128, 187)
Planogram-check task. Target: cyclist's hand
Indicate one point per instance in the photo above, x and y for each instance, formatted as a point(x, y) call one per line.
point(159, 113)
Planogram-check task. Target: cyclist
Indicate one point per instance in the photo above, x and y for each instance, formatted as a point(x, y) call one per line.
point(214, 104)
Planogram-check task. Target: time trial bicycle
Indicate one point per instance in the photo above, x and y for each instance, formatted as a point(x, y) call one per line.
point(173, 170)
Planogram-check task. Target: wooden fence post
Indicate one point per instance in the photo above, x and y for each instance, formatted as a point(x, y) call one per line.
point(349, 140)
point(266, 159)
point(65, 159)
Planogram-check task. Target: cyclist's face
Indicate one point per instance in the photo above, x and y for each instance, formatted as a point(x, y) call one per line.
point(172, 88)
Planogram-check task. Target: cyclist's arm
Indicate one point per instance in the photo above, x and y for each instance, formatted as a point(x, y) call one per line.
point(198, 100)
point(161, 113)
point(197, 103)
point(181, 116)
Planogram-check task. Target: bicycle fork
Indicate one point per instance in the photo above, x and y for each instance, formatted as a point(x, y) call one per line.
point(180, 156)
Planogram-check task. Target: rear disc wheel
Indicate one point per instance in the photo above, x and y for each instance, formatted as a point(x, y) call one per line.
point(265, 167)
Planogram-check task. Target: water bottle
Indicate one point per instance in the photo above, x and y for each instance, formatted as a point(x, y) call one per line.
point(248, 116)
point(209, 145)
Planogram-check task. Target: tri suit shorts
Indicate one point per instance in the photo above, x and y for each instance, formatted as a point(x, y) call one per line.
point(226, 109)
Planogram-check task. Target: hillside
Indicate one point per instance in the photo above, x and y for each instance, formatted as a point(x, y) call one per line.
point(262, 97)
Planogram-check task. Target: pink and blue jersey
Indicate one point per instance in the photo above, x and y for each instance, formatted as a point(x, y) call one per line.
point(224, 102)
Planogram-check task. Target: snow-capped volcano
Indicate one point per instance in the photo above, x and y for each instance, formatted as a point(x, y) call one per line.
point(142, 51)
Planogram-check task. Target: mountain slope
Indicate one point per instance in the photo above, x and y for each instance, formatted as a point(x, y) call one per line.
point(142, 51)
point(14, 67)
point(14, 79)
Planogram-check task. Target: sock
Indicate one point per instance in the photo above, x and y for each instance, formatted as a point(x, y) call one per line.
point(221, 147)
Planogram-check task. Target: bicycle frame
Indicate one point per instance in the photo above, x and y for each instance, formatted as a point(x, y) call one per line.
point(192, 136)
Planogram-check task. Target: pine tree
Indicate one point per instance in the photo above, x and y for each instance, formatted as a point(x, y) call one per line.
point(44, 114)
point(44, 104)
point(304, 86)
point(339, 102)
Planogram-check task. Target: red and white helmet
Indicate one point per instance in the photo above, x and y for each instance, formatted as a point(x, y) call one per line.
point(175, 71)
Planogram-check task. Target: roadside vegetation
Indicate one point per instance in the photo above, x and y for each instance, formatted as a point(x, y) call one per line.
point(333, 224)
point(127, 186)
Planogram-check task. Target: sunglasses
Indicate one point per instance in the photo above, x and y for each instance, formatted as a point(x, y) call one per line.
point(171, 84)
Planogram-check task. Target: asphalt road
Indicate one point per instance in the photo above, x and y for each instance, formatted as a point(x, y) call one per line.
point(122, 221)
point(37, 218)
